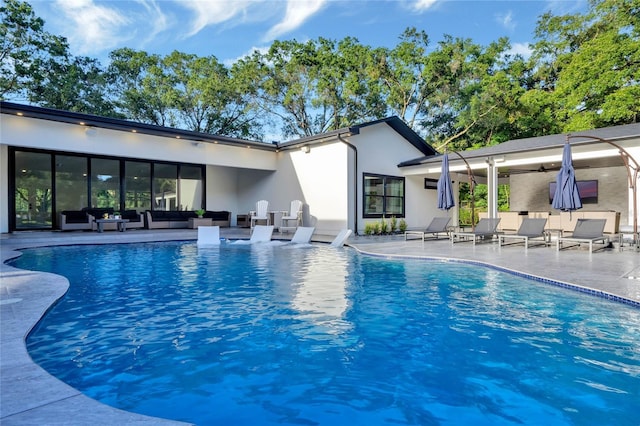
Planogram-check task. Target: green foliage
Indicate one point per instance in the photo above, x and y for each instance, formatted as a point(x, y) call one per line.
point(403, 226)
point(480, 201)
point(393, 224)
point(370, 228)
point(583, 72)
point(383, 227)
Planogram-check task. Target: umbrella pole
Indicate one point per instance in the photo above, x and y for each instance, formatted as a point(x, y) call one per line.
point(632, 174)
point(472, 186)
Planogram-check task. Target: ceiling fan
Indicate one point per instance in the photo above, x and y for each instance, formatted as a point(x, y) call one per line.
point(541, 169)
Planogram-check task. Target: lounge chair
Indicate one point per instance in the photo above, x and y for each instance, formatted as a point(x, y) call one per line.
point(294, 214)
point(439, 225)
point(530, 229)
point(261, 213)
point(303, 234)
point(486, 227)
point(261, 234)
point(586, 231)
point(342, 236)
point(208, 235)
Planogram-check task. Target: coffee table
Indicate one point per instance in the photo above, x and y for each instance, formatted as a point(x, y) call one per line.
point(121, 224)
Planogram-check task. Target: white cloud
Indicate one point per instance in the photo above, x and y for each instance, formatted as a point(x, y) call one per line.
point(298, 11)
point(520, 49)
point(213, 12)
point(422, 5)
point(262, 50)
point(506, 21)
point(94, 28)
point(156, 17)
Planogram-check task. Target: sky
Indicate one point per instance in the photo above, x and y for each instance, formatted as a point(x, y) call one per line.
point(232, 29)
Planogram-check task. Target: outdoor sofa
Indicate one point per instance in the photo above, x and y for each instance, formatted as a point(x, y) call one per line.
point(162, 219)
point(85, 219)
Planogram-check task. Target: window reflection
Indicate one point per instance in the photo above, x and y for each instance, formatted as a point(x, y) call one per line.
point(105, 183)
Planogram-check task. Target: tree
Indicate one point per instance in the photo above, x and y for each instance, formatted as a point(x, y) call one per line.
point(72, 84)
point(25, 49)
point(317, 86)
point(591, 64)
point(404, 74)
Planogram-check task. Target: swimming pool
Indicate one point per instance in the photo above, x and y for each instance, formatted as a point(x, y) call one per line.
point(265, 334)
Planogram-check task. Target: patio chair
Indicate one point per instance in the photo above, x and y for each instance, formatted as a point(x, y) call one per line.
point(486, 227)
point(261, 234)
point(303, 234)
point(586, 231)
point(341, 238)
point(294, 214)
point(208, 236)
point(438, 225)
point(530, 229)
point(261, 213)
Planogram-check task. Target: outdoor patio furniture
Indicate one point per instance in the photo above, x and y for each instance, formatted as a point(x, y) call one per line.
point(438, 225)
point(208, 236)
point(163, 219)
point(484, 228)
point(75, 220)
point(342, 236)
point(260, 213)
point(261, 234)
point(294, 214)
point(587, 231)
point(530, 229)
point(303, 234)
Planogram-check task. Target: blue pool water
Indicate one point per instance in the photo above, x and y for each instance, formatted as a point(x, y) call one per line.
point(284, 335)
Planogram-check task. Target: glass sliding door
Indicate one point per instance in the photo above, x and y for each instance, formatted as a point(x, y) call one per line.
point(191, 188)
point(137, 186)
point(165, 187)
point(105, 183)
point(33, 190)
point(72, 187)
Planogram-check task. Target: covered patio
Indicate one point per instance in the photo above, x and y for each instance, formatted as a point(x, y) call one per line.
point(529, 167)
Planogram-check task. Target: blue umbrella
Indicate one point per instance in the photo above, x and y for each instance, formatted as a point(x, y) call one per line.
point(445, 192)
point(566, 197)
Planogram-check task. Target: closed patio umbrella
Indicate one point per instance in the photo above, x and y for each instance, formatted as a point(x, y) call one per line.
point(445, 191)
point(566, 196)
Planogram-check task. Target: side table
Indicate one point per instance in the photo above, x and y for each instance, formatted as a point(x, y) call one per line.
point(194, 222)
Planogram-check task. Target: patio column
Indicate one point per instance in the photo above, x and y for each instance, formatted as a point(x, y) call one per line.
point(492, 188)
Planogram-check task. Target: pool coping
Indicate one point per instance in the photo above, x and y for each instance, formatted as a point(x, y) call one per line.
point(30, 395)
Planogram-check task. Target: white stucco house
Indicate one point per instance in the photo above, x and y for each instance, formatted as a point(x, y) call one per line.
point(52, 160)
point(58, 160)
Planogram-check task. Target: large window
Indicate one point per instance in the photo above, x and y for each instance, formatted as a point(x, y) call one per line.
point(383, 196)
point(105, 183)
point(71, 182)
point(190, 187)
point(165, 187)
point(33, 190)
point(44, 183)
point(137, 186)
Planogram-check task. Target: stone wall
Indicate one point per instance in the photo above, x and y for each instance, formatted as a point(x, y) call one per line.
point(530, 191)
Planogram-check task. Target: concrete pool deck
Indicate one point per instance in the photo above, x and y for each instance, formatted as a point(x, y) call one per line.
point(29, 395)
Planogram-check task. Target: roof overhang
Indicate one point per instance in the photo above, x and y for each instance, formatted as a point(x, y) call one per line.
point(88, 120)
point(536, 154)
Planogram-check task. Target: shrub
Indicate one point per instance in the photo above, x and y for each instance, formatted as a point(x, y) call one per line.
point(369, 229)
point(403, 225)
point(384, 226)
point(393, 224)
